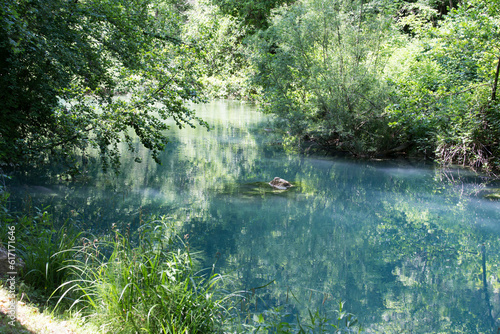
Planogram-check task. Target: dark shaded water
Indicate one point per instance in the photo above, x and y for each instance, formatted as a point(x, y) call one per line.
point(399, 242)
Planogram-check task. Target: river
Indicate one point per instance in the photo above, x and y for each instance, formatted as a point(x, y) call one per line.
point(402, 243)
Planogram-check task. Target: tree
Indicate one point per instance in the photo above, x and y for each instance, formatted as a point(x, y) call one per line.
point(254, 14)
point(319, 66)
point(65, 64)
point(446, 88)
point(221, 62)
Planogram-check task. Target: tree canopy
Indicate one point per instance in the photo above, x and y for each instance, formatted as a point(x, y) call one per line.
point(66, 65)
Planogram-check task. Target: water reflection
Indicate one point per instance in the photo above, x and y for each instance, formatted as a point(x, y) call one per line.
point(400, 242)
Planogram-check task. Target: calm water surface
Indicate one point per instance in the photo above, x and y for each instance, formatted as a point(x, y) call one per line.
point(403, 244)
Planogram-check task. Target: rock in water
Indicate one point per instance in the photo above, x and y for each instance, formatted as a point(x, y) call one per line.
point(280, 184)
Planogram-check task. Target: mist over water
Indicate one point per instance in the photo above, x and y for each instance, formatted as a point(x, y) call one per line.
point(398, 241)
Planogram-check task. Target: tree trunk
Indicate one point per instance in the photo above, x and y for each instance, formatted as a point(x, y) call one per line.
point(495, 82)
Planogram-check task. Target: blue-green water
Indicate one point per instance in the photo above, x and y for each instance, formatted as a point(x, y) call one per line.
point(400, 242)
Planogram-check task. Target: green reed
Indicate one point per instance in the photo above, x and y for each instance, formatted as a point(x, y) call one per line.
point(38, 245)
point(146, 283)
point(41, 249)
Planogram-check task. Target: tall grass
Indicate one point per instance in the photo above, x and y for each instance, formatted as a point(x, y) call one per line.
point(38, 244)
point(146, 286)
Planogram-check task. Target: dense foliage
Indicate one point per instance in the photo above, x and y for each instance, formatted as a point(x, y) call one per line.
point(221, 58)
point(373, 78)
point(253, 14)
point(445, 85)
point(64, 65)
point(320, 66)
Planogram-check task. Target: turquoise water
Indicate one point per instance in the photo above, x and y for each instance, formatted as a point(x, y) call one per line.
point(401, 243)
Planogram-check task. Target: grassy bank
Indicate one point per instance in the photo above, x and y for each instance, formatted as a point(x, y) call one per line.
point(145, 283)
